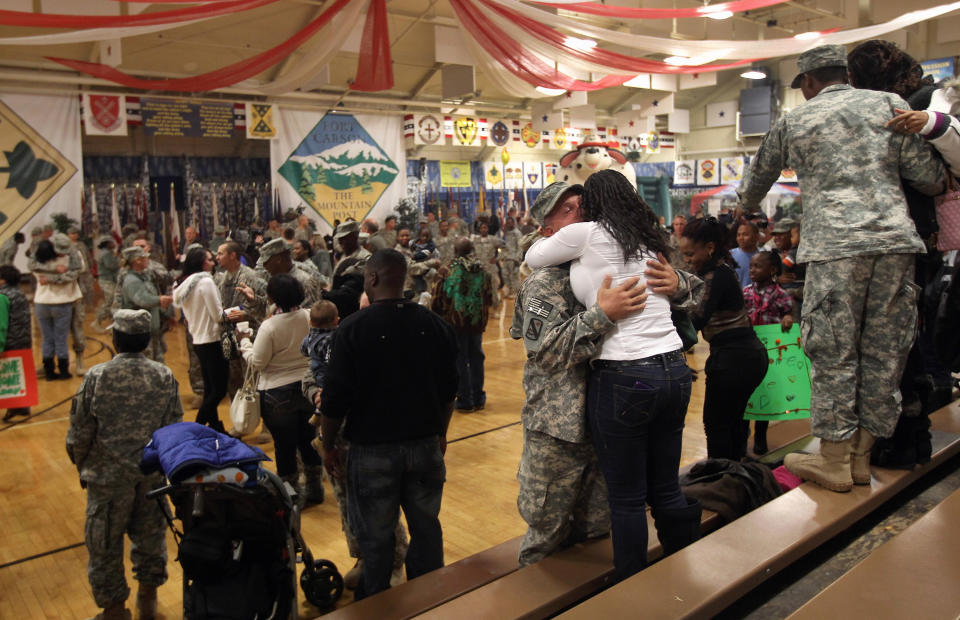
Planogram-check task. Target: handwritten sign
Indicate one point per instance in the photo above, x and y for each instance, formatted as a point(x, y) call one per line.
point(18, 380)
point(784, 393)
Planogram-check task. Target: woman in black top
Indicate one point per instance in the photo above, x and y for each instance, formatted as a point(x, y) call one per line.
point(738, 361)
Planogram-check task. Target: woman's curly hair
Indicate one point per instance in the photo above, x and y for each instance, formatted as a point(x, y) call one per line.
point(881, 65)
point(610, 200)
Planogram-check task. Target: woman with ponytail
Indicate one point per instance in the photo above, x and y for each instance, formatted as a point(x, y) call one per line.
point(738, 360)
point(639, 386)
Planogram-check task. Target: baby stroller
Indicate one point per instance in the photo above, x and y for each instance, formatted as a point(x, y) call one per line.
point(240, 535)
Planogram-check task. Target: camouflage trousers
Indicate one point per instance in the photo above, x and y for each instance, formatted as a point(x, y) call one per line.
point(511, 276)
point(113, 511)
point(156, 348)
point(108, 288)
point(340, 491)
point(494, 282)
point(563, 498)
point(76, 325)
point(193, 370)
point(859, 322)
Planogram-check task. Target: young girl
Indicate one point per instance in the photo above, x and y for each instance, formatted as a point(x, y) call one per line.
point(766, 304)
point(738, 360)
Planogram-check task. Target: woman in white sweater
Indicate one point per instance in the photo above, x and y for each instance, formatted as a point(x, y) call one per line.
point(276, 356)
point(57, 289)
point(197, 296)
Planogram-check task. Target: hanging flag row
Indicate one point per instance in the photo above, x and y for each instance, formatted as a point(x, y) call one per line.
point(519, 175)
point(712, 171)
point(110, 115)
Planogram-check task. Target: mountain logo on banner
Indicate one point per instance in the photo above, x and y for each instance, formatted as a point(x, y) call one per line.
point(31, 173)
point(105, 112)
point(428, 129)
point(260, 123)
point(466, 130)
point(529, 136)
point(338, 169)
point(499, 133)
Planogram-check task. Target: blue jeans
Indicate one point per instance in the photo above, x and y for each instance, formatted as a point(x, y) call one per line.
point(636, 417)
point(381, 479)
point(470, 368)
point(54, 321)
point(286, 414)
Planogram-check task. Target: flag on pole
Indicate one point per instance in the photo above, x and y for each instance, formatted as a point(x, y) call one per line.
point(115, 228)
point(93, 212)
point(174, 222)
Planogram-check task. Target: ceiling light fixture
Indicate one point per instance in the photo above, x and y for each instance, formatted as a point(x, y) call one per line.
point(719, 14)
point(552, 92)
point(754, 74)
point(679, 61)
point(807, 36)
point(584, 45)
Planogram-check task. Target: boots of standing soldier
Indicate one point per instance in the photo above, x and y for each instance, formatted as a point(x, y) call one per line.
point(830, 469)
point(862, 442)
point(80, 369)
point(314, 486)
point(114, 611)
point(678, 527)
point(147, 602)
point(49, 370)
point(760, 437)
point(63, 364)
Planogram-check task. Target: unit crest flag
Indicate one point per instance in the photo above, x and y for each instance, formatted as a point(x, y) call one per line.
point(466, 131)
point(261, 121)
point(532, 174)
point(427, 129)
point(549, 173)
point(104, 115)
point(40, 159)
point(455, 174)
point(343, 166)
point(530, 136)
point(499, 132)
point(493, 174)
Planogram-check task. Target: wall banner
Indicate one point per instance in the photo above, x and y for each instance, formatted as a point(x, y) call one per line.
point(455, 174)
point(341, 165)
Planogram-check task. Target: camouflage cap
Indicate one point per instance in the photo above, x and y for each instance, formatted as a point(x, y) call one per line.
point(272, 248)
point(61, 243)
point(36, 231)
point(346, 228)
point(547, 199)
point(784, 226)
point(823, 56)
point(219, 229)
point(131, 321)
point(133, 252)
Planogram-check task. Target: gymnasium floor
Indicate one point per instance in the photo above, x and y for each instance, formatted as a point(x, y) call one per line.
point(42, 558)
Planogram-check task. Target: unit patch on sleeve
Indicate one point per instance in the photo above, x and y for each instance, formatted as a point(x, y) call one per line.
point(534, 327)
point(540, 307)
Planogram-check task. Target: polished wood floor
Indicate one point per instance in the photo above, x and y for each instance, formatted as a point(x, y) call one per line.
point(43, 561)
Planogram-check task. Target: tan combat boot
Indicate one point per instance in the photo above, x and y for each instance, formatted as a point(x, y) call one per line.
point(862, 441)
point(147, 602)
point(830, 469)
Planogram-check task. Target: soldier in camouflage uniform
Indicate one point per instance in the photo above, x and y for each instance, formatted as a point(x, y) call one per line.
point(347, 283)
point(116, 410)
point(510, 257)
point(8, 251)
point(485, 248)
point(139, 292)
point(80, 255)
point(444, 242)
point(231, 280)
point(562, 493)
point(275, 257)
point(859, 303)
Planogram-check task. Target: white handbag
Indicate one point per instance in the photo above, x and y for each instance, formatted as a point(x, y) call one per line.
point(245, 408)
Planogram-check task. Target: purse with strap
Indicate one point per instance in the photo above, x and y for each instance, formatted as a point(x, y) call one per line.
point(245, 408)
point(948, 217)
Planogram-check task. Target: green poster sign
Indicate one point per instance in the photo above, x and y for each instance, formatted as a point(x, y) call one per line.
point(784, 393)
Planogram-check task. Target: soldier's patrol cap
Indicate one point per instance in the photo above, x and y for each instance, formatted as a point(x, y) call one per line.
point(819, 57)
point(784, 226)
point(133, 252)
point(547, 199)
point(35, 231)
point(220, 229)
point(61, 243)
point(73, 229)
point(346, 228)
point(131, 321)
point(272, 248)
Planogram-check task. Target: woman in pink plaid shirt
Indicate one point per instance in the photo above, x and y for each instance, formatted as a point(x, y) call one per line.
point(766, 304)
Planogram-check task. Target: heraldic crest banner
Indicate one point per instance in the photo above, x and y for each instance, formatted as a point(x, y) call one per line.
point(40, 159)
point(342, 166)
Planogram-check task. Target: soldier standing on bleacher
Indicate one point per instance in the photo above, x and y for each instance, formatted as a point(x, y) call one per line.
point(860, 301)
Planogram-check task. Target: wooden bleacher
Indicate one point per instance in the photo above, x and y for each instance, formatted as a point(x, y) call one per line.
point(706, 577)
point(549, 585)
point(909, 576)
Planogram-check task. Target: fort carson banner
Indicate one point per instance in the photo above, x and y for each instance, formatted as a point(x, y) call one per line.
point(341, 165)
point(40, 162)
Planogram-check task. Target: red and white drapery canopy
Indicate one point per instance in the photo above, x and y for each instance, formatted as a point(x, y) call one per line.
point(517, 45)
